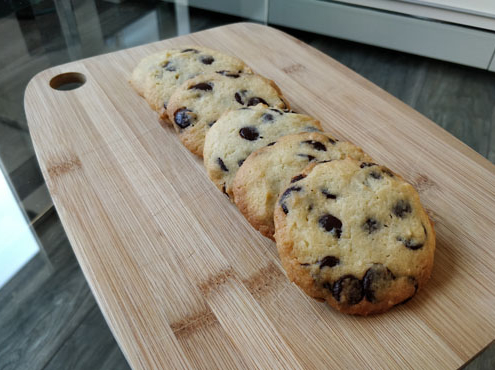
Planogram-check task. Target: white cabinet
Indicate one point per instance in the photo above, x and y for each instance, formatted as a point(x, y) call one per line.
point(473, 13)
point(393, 30)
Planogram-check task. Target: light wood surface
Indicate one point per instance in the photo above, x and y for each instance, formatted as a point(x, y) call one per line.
point(181, 277)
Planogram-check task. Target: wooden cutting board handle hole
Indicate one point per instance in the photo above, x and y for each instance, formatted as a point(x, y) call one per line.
point(67, 81)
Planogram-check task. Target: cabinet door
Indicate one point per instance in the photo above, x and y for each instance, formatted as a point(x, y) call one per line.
point(394, 31)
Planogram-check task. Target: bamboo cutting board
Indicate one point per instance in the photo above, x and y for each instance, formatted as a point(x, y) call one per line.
point(181, 277)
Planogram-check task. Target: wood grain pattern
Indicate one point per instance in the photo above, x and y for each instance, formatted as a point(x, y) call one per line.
point(181, 277)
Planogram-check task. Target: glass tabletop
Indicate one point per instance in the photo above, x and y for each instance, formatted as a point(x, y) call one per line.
point(48, 316)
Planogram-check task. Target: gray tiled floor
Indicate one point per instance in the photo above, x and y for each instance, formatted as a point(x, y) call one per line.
point(48, 316)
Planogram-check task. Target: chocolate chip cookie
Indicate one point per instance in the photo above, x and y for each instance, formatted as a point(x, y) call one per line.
point(197, 104)
point(238, 133)
point(266, 172)
point(355, 235)
point(157, 76)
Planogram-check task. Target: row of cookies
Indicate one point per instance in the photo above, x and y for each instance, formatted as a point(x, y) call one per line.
point(348, 231)
point(193, 86)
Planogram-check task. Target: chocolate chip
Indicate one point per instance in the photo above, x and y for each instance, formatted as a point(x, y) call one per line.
point(188, 50)
point(307, 156)
point(211, 123)
point(207, 59)
point(168, 67)
point(348, 290)
point(238, 98)
point(288, 191)
point(328, 285)
point(328, 195)
point(222, 165)
point(284, 196)
point(371, 225)
point(387, 171)
point(297, 178)
point(204, 86)
point(277, 110)
point(367, 164)
point(409, 243)
point(224, 190)
point(229, 74)
point(284, 208)
point(249, 133)
point(329, 261)
point(332, 141)
point(267, 117)
point(255, 101)
point(183, 117)
point(376, 277)
point(331, 224)
point(272, 143)
point(241, 162)
point(401, 208)
point(315, 144)
point(375, 175)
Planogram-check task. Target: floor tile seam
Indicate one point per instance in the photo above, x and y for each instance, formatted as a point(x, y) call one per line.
point(69, 335)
